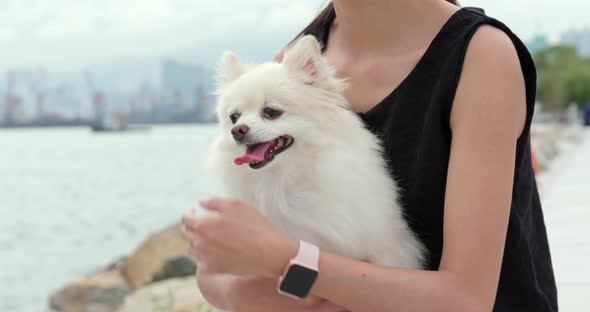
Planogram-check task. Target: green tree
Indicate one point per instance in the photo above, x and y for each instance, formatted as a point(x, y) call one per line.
point(562, 77)
point(576, 85)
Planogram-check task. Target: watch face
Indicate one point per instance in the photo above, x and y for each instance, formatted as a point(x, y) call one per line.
point(298, 281)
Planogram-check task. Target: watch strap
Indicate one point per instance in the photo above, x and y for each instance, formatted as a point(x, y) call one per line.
point(308, 254)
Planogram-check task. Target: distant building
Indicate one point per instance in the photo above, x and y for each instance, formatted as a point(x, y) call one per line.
point(30, 97)
point(17, 98)
point(580, 39)
point(186, 92)
point(538, 42)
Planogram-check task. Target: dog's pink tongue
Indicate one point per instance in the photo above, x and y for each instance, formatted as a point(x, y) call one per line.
point(254, 153)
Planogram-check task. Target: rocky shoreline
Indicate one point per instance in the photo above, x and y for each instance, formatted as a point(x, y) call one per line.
point(158, 276)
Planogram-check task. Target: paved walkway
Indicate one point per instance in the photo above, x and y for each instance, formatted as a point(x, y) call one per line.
point(566, 204)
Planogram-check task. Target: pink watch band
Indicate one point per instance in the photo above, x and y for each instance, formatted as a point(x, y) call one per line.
point(308, 255)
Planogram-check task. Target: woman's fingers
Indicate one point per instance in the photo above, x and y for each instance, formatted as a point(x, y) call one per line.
point(232, 229)
point(188, 231)
point(186, 234)
point(188, 216)
point(193, 244)
point(191, 221)
point(194, 231)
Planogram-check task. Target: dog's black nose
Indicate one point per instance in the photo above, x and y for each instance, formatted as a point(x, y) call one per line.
point(239, 132)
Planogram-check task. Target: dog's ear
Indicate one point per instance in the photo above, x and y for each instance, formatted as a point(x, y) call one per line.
point(229, 69)
point(304, 59)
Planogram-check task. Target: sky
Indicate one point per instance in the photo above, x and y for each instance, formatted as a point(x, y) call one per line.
point(68, 34)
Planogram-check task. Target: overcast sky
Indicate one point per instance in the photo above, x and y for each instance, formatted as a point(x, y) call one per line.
point(68, 34)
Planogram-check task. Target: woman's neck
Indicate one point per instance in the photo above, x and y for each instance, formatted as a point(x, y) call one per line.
point(374, 25)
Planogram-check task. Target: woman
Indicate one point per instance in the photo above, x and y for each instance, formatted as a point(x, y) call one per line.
point(455, 130)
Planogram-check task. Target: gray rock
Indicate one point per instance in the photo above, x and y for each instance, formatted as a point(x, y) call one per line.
point(111, 297)
point(179, 266)
point(171, 295)
point(139, 267)
point(102, 292)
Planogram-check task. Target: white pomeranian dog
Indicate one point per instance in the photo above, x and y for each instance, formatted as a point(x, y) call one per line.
point(291, 147)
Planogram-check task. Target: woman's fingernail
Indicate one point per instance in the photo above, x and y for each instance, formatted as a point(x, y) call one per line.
point(203, 201)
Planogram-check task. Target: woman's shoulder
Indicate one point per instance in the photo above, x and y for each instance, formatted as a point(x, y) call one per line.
point(492, 83)
point(494, 57)
point(472, 26)
point(492, 50)
point(488, 63)
point(471, 39)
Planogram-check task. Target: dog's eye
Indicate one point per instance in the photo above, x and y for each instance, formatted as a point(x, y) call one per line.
point(234, 117)
point(271, 113)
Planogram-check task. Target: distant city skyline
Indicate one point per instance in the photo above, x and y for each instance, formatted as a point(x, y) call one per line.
point(184, 93)
point(67, 35)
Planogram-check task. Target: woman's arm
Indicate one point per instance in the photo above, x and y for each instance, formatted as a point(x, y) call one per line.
point(255, 294)
point(487, 119)
point(214, 287)
point(244, 293)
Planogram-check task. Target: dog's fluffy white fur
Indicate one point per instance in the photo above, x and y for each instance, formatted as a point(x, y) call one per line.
point(331, 186)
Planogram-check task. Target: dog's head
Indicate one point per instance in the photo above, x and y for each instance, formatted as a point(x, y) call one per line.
point(277, 108)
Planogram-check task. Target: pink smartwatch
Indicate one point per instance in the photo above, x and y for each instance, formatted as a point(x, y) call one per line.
point(301, 272)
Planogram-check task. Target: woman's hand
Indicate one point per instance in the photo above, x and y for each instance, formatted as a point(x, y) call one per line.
point(236, 239)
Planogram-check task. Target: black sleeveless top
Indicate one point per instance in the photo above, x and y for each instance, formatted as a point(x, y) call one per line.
point(413, 123)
